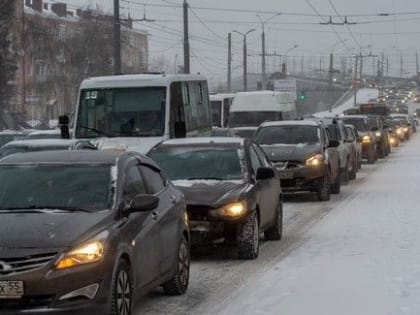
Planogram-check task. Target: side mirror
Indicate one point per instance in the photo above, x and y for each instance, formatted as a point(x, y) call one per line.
point(144, 203)
point(265, 173)
point(63, 122)
point(334, 143)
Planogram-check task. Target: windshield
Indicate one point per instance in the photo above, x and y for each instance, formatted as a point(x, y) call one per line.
point(288, 135)
point(216, 112)
point(252, 118)
point(359, 124)
point(75, 187)
point(225, 162)
point(124, 112)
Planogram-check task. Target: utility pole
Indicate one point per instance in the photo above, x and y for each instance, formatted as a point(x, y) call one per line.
point(417, 67)
point(264, 75)
point(186, 40)
point(387, 67)
point(355, 83)
point(401, 67)
point(330, 79)
point(361, 68)
point(302, 63)
point(117, 38)
point(245, 61)
point(229, 73)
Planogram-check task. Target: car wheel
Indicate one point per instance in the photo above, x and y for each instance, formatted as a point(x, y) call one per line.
point(121, 301)
point(346, 174)
point(275, 232)
point(336, 186)
point(324, 192)
point(249, 238)
point(352, 173)
point(178, 285)
point(371, 157)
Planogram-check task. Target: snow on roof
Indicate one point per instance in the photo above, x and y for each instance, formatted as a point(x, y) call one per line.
point(50, 14)
point(262, 101)
point(40, 143)
point(221, 96)
point(45, 132)
point(204, 140)
point(290, 123)
point(135, 80)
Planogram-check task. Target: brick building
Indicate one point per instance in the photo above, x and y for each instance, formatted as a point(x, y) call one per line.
point(58, 48)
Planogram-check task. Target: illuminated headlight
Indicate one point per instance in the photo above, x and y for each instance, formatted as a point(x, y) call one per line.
point(366, 140)
point(315, 160)
point(392, 141)
point(378, 134)
point(87, 253)
point(405, 129)
point(234, 209)
point(399, 131)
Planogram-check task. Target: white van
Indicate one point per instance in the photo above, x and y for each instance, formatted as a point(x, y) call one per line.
point(250, 109)
point(139, 111)
point(220, 105)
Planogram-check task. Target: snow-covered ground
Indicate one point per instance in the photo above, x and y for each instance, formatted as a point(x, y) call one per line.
point(362, 258)
point(363, 96)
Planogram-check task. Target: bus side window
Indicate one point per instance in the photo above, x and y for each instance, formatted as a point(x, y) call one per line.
point(192, 103)
point(177, 121)
point(203, 105)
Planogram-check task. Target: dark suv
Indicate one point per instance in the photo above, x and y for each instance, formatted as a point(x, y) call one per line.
point(366, 136)
point(305, 157)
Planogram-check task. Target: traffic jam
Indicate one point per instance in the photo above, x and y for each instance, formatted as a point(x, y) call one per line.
point(149, 171)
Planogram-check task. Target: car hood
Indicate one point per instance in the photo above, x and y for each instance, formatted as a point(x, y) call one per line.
point(140, 145)
point(291, 152)
point(212, 193)
point(50, 229)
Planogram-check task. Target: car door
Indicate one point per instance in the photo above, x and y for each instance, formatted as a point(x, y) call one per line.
point(274, 183)
point(263, 189)
point(332, 156)
point(167, 215)
point(144, 228)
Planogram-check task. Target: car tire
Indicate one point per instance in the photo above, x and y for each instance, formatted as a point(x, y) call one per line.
point(352, 173)
point(346, 177)
point(249, 238)
point(122, 290)
point(371, 156)
point(178, 285)
point(275, 232)
point(324, 192)
point(336, 186)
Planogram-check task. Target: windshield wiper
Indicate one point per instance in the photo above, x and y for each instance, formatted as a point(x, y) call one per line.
point(205, 178)
point(99, 132)
point(42, 209)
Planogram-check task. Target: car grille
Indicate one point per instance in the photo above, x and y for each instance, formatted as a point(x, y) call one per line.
point(10, 266)
point(27, 302)
point(287, 165)
point(198, 213)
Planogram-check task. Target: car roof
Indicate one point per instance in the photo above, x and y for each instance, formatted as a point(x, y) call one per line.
point(40, 143)
point(63, 157)
point(355, 116)
point(205, 141)
point(291, 123)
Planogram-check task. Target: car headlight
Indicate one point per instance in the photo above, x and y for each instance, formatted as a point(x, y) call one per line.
point(378, 134)
point(86, 253)
point(399, 131)
point(405, 129)
point(366, 140)
point(234, 209)
point(315, 160)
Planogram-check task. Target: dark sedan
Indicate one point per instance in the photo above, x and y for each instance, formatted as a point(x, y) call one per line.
point(86, 232)
point(232, 190)
point(307, 160)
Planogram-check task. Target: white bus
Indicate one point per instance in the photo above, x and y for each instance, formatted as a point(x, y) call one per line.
point(139, 111)
point(220, 104)
point(250, 109)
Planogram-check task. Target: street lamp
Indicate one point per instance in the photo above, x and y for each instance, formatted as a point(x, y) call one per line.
point(287, 52)
point(264, 75)
point(245, 57)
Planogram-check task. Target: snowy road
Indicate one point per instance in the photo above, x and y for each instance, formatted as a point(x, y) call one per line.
point(324, 245)
point(363, 258)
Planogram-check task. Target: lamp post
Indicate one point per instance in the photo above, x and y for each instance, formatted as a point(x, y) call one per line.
point(286, 53)
point(263, 53)
point(245, 56)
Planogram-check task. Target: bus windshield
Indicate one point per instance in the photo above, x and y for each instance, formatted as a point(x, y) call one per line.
point(122, 112)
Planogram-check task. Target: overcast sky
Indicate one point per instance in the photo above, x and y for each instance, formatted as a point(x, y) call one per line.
point(393, 35)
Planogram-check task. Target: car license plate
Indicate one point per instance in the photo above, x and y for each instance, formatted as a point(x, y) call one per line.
point(286, 174)
point(11, 289)
point(198, 226)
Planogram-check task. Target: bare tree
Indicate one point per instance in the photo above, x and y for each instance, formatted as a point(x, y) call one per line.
point(8, 64)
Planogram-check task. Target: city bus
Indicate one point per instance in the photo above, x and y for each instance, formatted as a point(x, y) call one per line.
point(137, 112)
